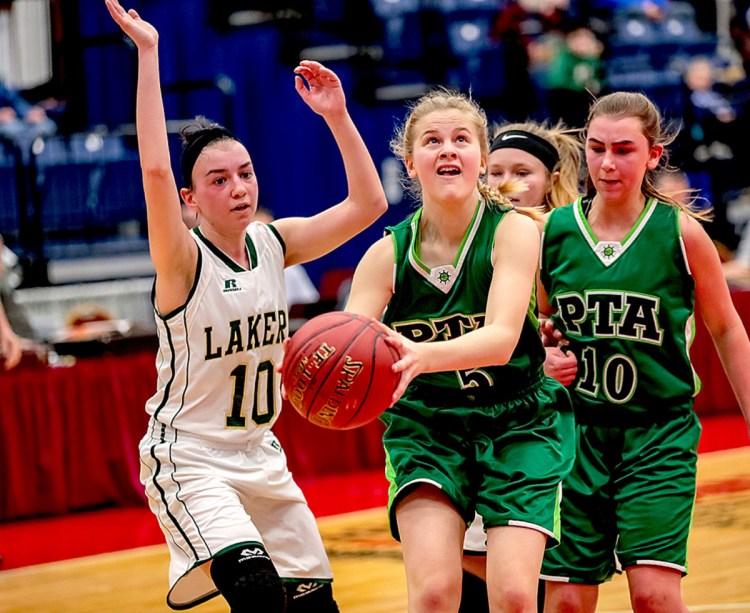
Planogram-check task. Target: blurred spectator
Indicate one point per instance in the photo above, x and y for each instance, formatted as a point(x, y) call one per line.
point(515, 27)
point(709, 145)
point(574, 76)
point(675, 184)
point(9, 280)
point(705, 101)
point(737, 268)
point(736, 265)
point(549, 14)
point(10, 344)
point(17, 337)
point(20, 121)
point(739, 29)
point(544, 6)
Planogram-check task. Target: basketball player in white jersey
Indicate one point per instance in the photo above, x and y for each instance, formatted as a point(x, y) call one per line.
point(216, 477)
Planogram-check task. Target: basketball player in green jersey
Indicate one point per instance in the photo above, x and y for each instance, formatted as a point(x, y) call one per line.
point(622, 269)
point(547, 160)
point(479, 424)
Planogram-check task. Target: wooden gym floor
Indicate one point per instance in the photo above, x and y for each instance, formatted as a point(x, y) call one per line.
point(368, 568)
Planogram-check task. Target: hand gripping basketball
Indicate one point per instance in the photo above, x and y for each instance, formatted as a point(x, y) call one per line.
point(337, 370)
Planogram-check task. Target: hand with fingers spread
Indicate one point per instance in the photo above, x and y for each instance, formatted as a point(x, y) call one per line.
point(320, 88)
point(143, 34)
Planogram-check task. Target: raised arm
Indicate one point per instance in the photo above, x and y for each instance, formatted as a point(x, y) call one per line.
point(172, 250)
point(365, 201)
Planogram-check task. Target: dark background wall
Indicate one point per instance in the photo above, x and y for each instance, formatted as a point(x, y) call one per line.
point(296, 159)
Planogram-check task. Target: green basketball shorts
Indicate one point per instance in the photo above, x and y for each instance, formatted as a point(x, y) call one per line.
point(505, 460)
point(628, 501)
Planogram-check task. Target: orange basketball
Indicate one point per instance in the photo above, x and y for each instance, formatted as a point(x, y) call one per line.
point(337, 370)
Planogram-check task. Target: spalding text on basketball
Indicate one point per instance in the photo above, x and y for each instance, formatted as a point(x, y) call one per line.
point(349, 373)
point(306, 370)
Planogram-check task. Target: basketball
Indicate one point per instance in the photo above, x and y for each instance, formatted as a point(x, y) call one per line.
point(337, 371)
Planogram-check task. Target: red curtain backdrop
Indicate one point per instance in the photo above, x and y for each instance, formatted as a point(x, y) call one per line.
point(69, 434)
point(716, 395)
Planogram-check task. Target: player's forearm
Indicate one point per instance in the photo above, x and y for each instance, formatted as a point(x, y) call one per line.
point(489, 346)
point(733, 348)
point(151, 123)
point(363, 181)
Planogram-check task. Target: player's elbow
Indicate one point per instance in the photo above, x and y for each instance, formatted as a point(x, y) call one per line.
point(505, 345)
point(363, 212)
point(376, 205)
point(155, 172)
point(503, 358)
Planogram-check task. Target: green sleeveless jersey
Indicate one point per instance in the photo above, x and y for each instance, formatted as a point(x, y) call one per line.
point(433, 304)
point(628, 310)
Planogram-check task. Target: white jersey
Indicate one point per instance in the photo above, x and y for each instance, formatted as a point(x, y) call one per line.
point(219, 352)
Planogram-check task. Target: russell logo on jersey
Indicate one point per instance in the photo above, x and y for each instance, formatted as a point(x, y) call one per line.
point(230, 285)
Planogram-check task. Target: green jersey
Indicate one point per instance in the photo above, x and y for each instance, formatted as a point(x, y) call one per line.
point(628, 310)
point(444, 302)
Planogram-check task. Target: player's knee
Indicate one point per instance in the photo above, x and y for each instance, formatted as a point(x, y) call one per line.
point(652, 601)
point(310, 597)
point(437, 596)
point(247, 579)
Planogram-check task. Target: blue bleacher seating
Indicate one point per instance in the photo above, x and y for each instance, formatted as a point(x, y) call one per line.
point(397, 84)
point(89, 183)
point(9, 217)
point(632, 31)
point(676, 34)
point(632, 62)
point(387, 9)
point(121, 197)
point(66, 188)
point(480, 59)
point(469, 37)
point(488, 8)
point(663, 87)
point(403, 39)
point(679, 23)
point(329, 11)
point(483, 74)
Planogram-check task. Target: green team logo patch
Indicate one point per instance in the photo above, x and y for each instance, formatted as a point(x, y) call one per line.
point(608, 251)
point(443, 277)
